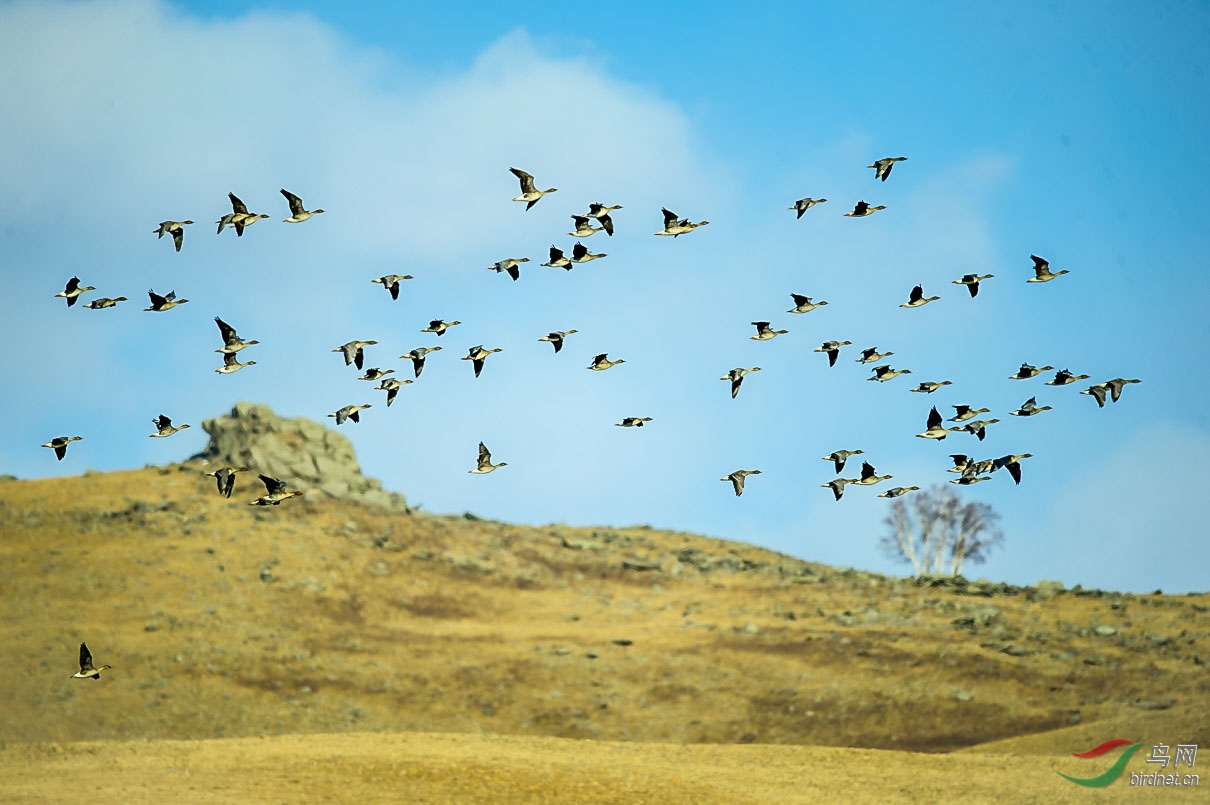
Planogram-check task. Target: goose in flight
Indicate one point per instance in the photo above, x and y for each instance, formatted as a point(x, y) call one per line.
point(803, 304)
point(869, 476)
point(1027, 371)
point(978, 427)
point(161, 303)
point(872, 355)
point(837, 486)
point(833, 350)
point(764, 332)
point(633, 422)
point(232, 343)
point(73, 290)
point(104, 302)
point(512, 265)
point(840, 457)
point(59, 445)
point(970, 475)
point(601, 362)
point(884, 373)
point(934, 428)
point(580, 254)
point(164, 427)
point(862, 209)
point(438, 327)
point(298, 213)
point(895, 492)
point(276, 492)
point(929, 386)
point(584, 229)
point(917, 298)
point(231, 363)
point(1011, 464)
point(882, 168)
point(1064, 377)
point(373, 374)
point(1030, 407)
point(391, 386)
point(737, 479)
point(417, 357)
point(529, 192)
point(87, 669)
point(485, 465)
point(556, 338)
point(354, 352)
point(352, 412)
point(804, 204)
point(391, 283)
point(601, 213)
point(1116, 385)
point(239, 217)
point(736, 376)
point(964, 412)
point(1042, 272)
point(225, 479)
point(174, 228)
point(477, 355)
point(971, 281)
point(557, 260)
point(677, 226)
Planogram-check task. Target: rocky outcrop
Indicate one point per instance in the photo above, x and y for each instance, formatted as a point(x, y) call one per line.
point(305, 454)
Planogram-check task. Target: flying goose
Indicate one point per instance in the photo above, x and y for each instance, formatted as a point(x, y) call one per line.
point(391, 386)
point(804, 204)
point(353, 352)
point(1098, 391)
point(556, 338)
point(601, 213)
point(391, 283)
point(529, 193)
point(872, 355)
point(970, 476)
point(884, 373)
point(929, 386)
point(833, 349)
point(803, 304)
point(298, 213)
point(861, 210)
point(59, 445)
point(352, 412)
point(633, 422)
point(1026, 372)
point(87, 671)
point(232, 343)
point(736, 376)
point(1029, 408)
point(276, 492)
point(580, 254)
point(511, 265)
point(1063, 377)
point(971, 281)
point(239, 217)
point(961, 461)
point(965, 412)
point(978, 427)
point(677, 226)
point(882, 168)
point(584, 229)
point(438, 327)
point(934, 428)
point(868, 475)
point(73, 290)
point(1042, 272)
point(225, 478)
point(231, 363)
point(1116, 385)
point(557, 260)
point(917, 299)
point(485, 464)
point(764, 332)
point(837, 486)
point(161, 303)
point(174, 228)
point(895, 492)
point(477, 355)
point(1010, 462)
point(737, 479)
point(164, 427)
point(373, 374)
point(104, 302)
point(601, 362)
point(417, 357)
point(839, 457)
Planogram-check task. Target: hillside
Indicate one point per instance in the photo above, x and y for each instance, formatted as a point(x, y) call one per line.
point(325, 616)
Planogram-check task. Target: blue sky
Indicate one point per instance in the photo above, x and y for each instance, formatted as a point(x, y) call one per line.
point(1068, 130)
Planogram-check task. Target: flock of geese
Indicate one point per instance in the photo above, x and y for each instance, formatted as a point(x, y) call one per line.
point(965, 419)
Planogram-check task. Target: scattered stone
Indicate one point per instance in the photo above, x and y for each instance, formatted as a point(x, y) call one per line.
point(1150, 705)
point(562, 651)
point(622, 641)
point(964, 696)
point(639, 564)
point(1158, 639)
point(1106, 631)
point(1046, 590)
point(151, 627)
point(1014, 650)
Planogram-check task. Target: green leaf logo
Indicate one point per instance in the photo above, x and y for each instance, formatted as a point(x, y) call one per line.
point(1110, 774)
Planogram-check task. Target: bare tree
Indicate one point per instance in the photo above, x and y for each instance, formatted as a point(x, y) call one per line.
point(939, 533)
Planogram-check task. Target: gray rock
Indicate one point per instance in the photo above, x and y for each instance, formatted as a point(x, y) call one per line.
point(1106, 631)
point(305, 454)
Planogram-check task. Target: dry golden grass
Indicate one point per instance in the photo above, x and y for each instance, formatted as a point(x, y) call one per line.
point(350, 637)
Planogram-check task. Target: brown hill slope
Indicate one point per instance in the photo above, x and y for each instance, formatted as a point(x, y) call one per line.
point(223, 620)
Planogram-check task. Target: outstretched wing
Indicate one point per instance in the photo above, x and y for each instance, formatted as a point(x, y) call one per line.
point(85, 658)
point(296, 204)
point(226, 330)
point(527, 181)
point(237, 206)
point(273, 485)
point(669, 217)
point(934, 420)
